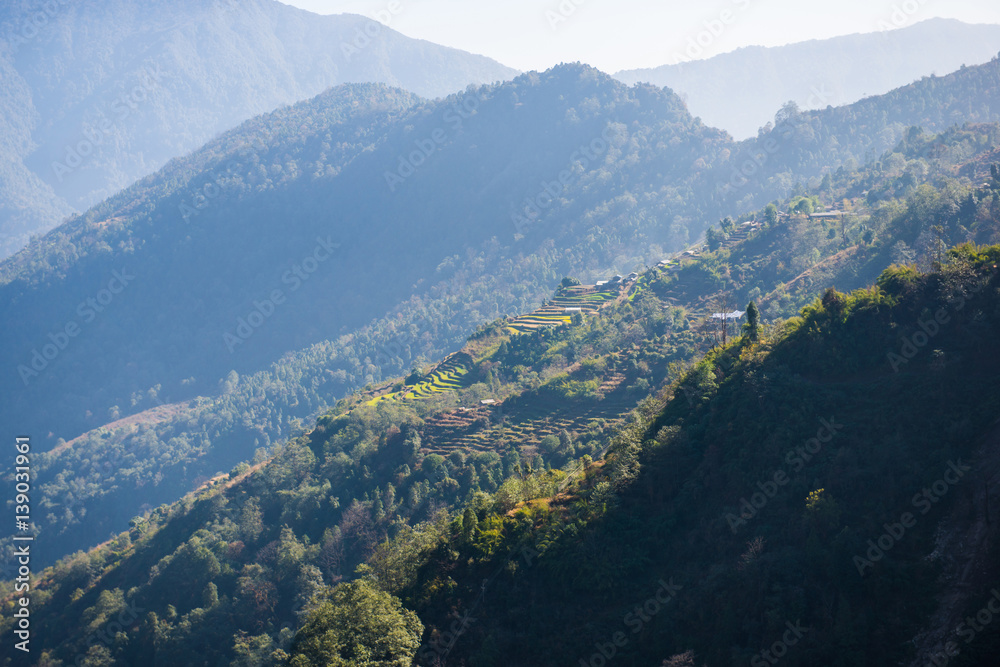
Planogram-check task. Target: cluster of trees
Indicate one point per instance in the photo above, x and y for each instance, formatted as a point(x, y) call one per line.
point(671, 503)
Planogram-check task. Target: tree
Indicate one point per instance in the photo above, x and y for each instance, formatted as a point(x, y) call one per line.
point(549, 444)
point(569, 282)
point(787, 112)
point(714, 239)
point(802, 205)
point(210, 595)
point(255, 651)
point(251, 521)
point(98, 656)
point(357, 625)
point(771, 214)
point(752, 326)
point(470, 525)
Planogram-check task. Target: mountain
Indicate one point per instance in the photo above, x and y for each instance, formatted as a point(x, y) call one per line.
point(99, 94)
point(380, 194)
point(244, 317)
point(741, 91)
point(625, 481)
point(807, 144)
point(402, 221)
point(820, 494)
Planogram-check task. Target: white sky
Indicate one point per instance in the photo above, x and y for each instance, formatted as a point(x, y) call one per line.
point(626, 34)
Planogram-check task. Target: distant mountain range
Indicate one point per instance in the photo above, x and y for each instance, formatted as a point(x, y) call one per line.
point(95, 95)
point(741, 91)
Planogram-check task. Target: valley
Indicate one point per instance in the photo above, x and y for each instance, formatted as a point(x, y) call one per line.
point(299, 393)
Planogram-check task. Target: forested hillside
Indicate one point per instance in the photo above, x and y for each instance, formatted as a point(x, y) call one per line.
point(458, 509)
point(803, 145)
point(741, 90)
point(210, 239)
point(207, 243)
point(799, 494)
point(97, 94)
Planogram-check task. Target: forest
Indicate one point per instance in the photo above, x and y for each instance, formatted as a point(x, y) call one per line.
point(188, 419)
point(467, 548)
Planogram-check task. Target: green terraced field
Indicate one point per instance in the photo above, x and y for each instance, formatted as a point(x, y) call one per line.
point(554, 313)
point(449, 375)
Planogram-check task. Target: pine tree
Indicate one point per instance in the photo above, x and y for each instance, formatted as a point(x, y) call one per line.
point(753, 322)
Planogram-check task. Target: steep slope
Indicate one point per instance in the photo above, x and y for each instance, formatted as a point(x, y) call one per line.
point(103, 93)
point(741, 91)
point(225, 573)
point(807, 144)
point(640, 176)
point(234, 262)
point(556, 387)
point(788, 498)
point(367, 469)
point(211, 238)
point(218, 232)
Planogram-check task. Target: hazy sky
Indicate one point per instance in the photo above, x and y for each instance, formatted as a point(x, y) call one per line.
point(625, 34)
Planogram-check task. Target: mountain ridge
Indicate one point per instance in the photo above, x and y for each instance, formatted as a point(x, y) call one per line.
point(721, 90)
point(115, 123)
point(633, 205)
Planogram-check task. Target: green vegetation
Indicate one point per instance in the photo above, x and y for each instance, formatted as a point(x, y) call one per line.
point(357, 625)
point(561, 467)
point(606, 433)
point(151, 348)
point(670, 503)
point(100, 122)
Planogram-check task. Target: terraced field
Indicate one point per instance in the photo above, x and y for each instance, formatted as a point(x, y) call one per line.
point(524, 423)
point(585, 297)
point(450, 375)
